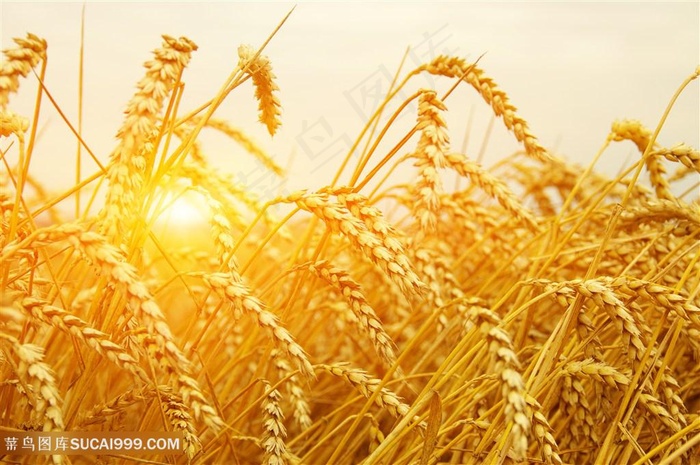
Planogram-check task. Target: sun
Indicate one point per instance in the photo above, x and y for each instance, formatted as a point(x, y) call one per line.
point(182, 210)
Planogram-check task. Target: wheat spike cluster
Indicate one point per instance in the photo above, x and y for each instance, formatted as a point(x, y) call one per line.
point(535, 311)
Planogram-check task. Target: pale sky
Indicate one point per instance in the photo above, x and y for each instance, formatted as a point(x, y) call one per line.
point(570, 68)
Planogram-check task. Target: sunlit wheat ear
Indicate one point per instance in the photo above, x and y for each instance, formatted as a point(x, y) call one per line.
point(681, 153)
point(583, 426)
point(260, 70)
point(221, 232)
point(33, 371)
point(338, 219)
point(505, 364)
point(295, 392)
point(635, 131)
point(489, 91)
point(133, 155)
point(367, 386)
point(361, 208)
point(101, 412)
point(493, 186)
point(430, 157)
point(181, 421)
point(606, 299)
point(19, 62)
point(543, 432)
point(12, 123)
point(111, 263)
point(368, 320)
point(684, 217)
point(74, 326)
point(662, 296)
point(274, 431)
point(230, 285)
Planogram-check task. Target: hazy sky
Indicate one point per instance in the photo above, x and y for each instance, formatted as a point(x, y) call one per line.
point(570, 68)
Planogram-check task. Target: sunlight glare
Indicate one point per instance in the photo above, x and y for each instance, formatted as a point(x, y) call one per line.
point(186, 210)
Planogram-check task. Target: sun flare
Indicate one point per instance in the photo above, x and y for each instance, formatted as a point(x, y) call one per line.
point(182, 210)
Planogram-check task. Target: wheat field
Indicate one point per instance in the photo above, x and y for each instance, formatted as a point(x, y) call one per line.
point(534, 311)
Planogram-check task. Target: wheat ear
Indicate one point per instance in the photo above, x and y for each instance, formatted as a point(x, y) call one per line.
point(493, 95)
point(295, 392)
point(369, 322)
point(373, 218)
point(681, 153)
point(100, 412)
point(492, 186)
point(265, 86)
point(19, 61)
point(12, 123)
point(542, 431)
point(505, 364)
point(71, 324)
point(34, 371)
point(338, 219)
point(176, 412)
point(686, 216)
point(274, 431)
point(430, 157)
point(368, 386)
point(231, 286)
point(636, 132)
